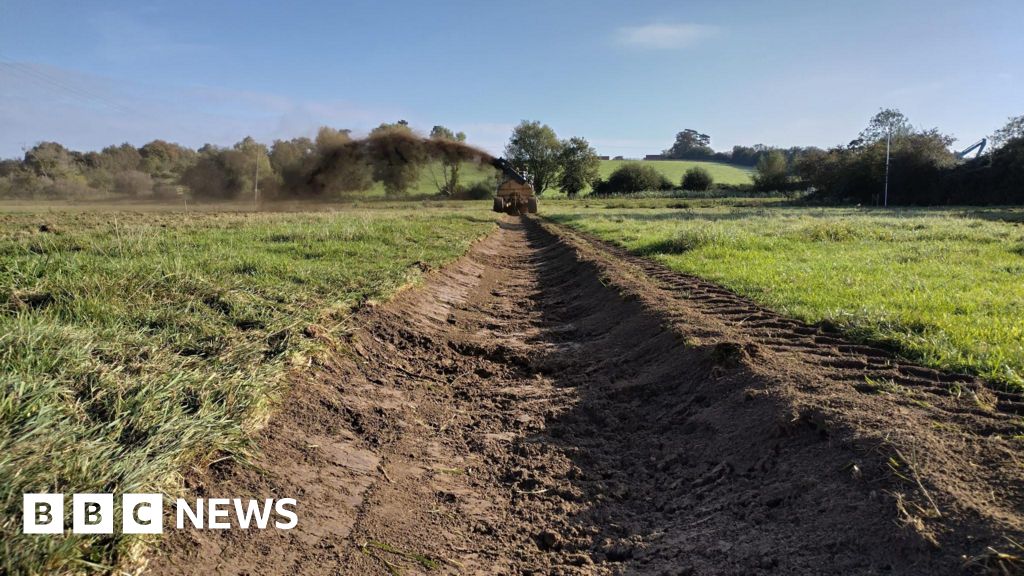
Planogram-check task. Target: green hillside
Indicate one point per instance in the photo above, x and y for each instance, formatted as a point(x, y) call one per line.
point(432, 174)
point(674, 169)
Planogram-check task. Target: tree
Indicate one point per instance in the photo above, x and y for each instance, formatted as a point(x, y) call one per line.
point(632, 177)
point(690, 144)
point(580, 166)
point(228, 173)
point(119, 158)
point(534, 149)
point(291, 155)
point(293, 162)
point(697, 179)
point(397, 156)
point(449, 165)
point(209, 177)
point(888, 122)
point(1013, 129)
point(250, 154)
point(339, 165)
point(132, 183)
point(328, 138)
point(772, 172)
point(920, 162)
point(51, 160)
point(165, 159)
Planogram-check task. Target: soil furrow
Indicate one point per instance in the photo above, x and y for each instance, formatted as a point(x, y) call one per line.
point(552, 405)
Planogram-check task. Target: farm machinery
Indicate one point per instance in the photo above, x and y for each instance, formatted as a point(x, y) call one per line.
point(515, 194)
point(978, 146)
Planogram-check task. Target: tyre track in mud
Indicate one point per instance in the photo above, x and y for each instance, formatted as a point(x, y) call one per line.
point(552, 405)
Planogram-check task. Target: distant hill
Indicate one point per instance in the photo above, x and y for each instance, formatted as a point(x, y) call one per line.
point(674, 170)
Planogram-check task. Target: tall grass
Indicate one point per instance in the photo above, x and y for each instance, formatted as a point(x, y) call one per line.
point(944, 286)
point(134, 344)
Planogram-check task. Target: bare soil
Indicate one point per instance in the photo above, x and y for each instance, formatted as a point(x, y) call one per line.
point(551, 405)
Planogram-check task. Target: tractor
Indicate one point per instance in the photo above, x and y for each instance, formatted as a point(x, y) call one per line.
point(515, 194)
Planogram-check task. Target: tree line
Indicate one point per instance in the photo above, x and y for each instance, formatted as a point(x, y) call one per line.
point(692, 144)
point(922, 168)
point(287, 169)
point(891, 161)
point(331, 165)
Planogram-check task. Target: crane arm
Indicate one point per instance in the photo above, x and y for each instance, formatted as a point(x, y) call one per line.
point(979, 145)
point(506, 167)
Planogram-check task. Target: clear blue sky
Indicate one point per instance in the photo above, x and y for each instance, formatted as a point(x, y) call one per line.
point(627, 75)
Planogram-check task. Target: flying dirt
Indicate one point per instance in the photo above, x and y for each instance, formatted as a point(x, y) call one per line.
point(552, 405)
point(514, 195)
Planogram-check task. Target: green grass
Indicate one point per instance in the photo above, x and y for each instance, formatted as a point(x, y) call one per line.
point(132, 345)
point(470, 173)
point(674, 170)
point(943, 286)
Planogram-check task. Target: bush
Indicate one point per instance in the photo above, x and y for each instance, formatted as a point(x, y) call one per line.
point(132, 183)
point(481, 190)
point(212, 177)
point(71, 187)
point(995, 178)
point(922, 170)
point(23, 184)
point(631, 178)
point(772, 172)
point(697, 179)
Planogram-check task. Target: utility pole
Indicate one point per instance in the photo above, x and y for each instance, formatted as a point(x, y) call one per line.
point(888, 140)
point(256, 181)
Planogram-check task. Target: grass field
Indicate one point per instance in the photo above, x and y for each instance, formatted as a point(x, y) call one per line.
point(470, 173)
point(943, 286)
point(674, 170)
point(135, 343)
point(132, 344)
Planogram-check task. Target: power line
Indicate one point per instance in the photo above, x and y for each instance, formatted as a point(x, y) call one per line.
point(48, 80)
point(59, 86)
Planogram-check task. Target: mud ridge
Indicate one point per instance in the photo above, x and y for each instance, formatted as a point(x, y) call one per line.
point(551, 405)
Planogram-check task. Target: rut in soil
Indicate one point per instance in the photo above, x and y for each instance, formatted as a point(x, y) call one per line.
point(550, 405)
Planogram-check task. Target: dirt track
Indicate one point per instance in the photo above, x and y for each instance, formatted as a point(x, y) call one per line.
point(550, 405)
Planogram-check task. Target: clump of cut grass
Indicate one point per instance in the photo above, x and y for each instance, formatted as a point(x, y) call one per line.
point(688, 239)
point(831, 231)
point(1009, 560)
point(374, 549)
point(883, 386)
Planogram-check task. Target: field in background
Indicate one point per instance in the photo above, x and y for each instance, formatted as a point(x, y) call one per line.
point(943, 286)
point(674, 170)
point(134, 343)
point(431, 175)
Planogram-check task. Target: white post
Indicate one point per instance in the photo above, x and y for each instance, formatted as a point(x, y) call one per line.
point(256, 182)
point(888, 139)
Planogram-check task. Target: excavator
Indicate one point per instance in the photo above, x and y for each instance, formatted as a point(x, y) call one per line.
point(979, 146)
point(515, 194)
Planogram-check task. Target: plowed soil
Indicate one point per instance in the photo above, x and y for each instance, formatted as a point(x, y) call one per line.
point(551, 405)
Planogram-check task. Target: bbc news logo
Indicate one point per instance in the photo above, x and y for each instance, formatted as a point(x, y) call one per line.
point(143, 513)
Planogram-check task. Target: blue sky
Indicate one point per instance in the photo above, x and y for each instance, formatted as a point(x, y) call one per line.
point(625, 75)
